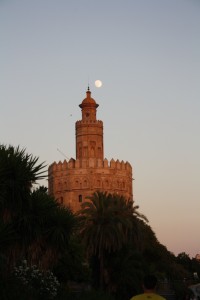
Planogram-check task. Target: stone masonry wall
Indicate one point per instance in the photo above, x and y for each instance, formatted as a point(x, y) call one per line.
point(71, 182)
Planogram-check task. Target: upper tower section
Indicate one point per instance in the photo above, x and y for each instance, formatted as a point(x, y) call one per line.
point(89, 131)
point(88, 107)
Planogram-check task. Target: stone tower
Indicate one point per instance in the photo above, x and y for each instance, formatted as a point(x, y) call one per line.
point(70, 182)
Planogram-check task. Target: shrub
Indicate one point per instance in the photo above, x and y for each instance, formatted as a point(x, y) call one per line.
point(42, 284)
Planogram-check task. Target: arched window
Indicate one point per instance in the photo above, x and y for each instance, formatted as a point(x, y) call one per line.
point(80, 198)
point(85, 153)
point(92, 151)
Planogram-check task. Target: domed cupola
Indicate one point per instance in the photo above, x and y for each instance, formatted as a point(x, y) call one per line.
point(88, 107)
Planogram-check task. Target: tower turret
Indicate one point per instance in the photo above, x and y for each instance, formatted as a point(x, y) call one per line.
point(89, 131)
point(88, 107)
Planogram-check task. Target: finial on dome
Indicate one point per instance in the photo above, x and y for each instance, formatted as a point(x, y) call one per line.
point(88, 92)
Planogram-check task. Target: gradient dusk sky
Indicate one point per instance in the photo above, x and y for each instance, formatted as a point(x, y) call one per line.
point(147, 54)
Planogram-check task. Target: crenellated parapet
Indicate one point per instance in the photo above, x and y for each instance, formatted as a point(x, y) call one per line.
point(95, 163)
point(97, 122)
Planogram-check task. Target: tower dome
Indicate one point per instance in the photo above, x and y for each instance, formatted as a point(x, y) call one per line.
point(88, 101)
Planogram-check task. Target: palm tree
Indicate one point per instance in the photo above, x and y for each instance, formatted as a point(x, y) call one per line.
point(30, 226)
point(106, 225)
point(129, 214)
point(61, 227)
point(44, 229)
point(18, 172)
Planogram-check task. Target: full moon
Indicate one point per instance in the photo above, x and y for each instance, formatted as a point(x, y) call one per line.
point(98, 83)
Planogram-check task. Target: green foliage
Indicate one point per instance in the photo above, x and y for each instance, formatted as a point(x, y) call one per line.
point(32, 224)
point(106, 221)
point(72, 265)
point(18, 172)
point(125, 272)
point(190, 265)
point(42, 284)
point(108, 244)
point(107, 225)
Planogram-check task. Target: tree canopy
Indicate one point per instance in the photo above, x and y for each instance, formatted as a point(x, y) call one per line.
point(109, 244)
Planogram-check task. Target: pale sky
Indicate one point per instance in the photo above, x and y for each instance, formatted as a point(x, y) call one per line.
point(147, 54)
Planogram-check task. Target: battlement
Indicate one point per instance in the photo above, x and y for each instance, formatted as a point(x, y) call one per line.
point(98, 122)
point(91, 163)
